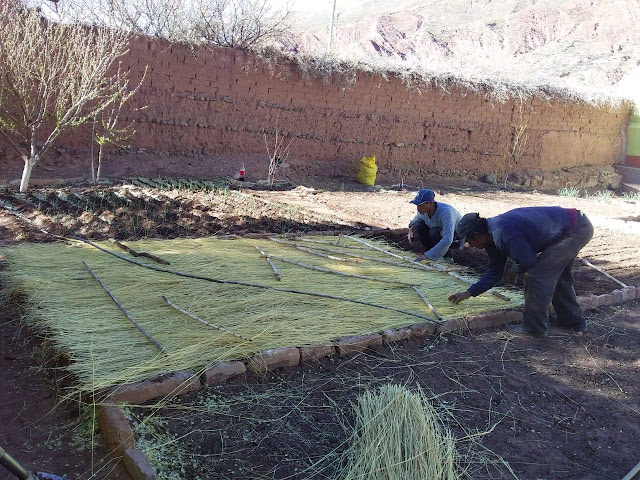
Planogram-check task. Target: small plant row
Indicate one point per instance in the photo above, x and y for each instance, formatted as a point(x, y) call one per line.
point(114, 211)
point(604, 195)
point(181, 184)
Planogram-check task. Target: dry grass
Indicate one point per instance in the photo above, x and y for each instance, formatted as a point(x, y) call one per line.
point(69, 307)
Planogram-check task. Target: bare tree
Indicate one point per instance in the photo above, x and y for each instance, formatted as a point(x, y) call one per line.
point(224, 23)
point(278, 155)
point(112, 129)
point(518, 144)
point(239, 23)
point(53, 77)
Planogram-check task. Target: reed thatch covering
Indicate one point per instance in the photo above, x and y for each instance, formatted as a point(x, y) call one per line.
point(67, 305)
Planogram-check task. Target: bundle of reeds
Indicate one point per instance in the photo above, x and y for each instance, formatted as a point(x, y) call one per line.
point(398, 435)
point(231, 287)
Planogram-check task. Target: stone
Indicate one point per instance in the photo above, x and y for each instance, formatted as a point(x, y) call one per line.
point(628, 294)
point(138, 465)
point(586, 302)
point(221, 372)
point(358, 343)
point(527, 182)
point(452, 325)
point(160, 387)
point(612, 298)
point(493, 319)
point(616, 296)
point(313, 353)
point(491, 179)
point(115, 429)
point(422, 329)
point(273, 358)
point(390, 336)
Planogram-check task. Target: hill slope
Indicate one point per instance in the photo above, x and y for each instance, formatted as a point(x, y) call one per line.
point(584, 45)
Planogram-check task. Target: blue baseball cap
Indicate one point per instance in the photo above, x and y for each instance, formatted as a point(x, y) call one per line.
point(425, 195)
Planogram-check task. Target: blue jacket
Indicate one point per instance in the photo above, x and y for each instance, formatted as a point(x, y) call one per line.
point(445, 217)
point(521, 234)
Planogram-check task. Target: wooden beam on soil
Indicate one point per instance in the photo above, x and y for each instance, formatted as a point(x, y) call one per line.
point(611, 277)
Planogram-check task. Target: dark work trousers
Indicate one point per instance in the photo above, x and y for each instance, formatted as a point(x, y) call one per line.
point(550, 281)
point(430, 236)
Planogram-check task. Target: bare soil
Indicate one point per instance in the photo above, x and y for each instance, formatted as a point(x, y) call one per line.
point(562, 407)
point(567, 407)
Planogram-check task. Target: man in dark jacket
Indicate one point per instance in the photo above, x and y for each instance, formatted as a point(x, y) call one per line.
point(543, 242)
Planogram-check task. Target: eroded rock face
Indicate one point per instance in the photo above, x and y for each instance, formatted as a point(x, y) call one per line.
point(579, 177)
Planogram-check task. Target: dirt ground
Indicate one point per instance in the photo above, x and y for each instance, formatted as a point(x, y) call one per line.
point(563, 407)
point(567, 407)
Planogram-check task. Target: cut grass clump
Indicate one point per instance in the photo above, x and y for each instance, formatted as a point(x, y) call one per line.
point(234, 288)
point(569, 192)
point(398, 435)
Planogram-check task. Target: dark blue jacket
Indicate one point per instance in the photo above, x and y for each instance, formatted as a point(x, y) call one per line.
point(521, 234)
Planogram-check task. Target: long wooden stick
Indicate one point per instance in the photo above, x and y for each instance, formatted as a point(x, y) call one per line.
point(633, 472)
point(314, 252)
point(246, 284)
point(611, 277)
point(135, 253)
point(273, 267)
point(208, 324)
point(137, 325)
point(357, 255)
point(415, 289)
point(322, 242)
point(428, 267)
point(338, 272)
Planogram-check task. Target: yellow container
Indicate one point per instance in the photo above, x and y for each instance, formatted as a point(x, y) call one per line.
point(367, 171)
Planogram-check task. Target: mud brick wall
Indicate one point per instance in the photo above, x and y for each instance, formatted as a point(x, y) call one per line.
point(215, 103)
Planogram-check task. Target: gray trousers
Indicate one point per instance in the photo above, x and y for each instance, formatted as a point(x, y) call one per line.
point(550, 281)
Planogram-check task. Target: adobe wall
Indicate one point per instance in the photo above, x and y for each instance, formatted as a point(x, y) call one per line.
point(212, 104)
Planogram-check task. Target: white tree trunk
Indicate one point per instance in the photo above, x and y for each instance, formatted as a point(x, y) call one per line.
point(26, 174)
point(99, 163)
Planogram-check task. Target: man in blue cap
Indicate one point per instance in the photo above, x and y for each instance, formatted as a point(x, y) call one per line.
point(435, 224)
point(543, 242)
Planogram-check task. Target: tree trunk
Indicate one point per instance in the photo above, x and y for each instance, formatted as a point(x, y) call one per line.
point(26, 174)
point(93, 142)
point(99, 163)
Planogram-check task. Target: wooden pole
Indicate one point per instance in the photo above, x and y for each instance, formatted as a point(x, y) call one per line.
point(337, 272)
point(142, 330)
point(314, 252)
point(273, 267)
point(208, 324)
point(634, 471)
point(135, 253)
point(611, 277)
point(415, 289)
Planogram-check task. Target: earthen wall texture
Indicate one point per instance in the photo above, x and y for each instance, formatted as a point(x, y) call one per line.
point(229, 102)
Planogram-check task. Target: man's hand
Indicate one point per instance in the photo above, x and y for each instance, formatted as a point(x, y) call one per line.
point(459, 297)
point(410, 235)
point(420, 258)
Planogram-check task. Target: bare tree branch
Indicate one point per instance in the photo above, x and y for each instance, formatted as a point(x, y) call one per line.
point(53, 77)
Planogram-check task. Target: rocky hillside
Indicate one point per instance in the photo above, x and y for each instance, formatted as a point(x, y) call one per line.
point(587, 46)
